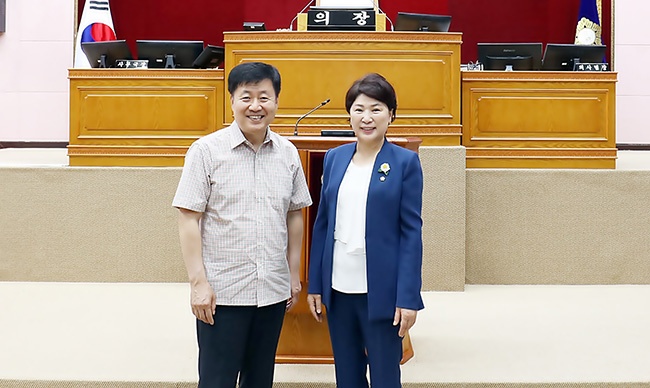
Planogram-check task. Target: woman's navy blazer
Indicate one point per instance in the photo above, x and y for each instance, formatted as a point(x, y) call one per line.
point(393, 230)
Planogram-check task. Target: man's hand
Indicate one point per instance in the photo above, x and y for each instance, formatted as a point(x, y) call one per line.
point(405, 318)
point(202, 299)
point(294, 249)
point(314, 301)
point(296, 287)
point(203, 302)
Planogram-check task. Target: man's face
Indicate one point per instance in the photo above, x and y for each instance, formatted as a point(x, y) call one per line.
point(254, 106)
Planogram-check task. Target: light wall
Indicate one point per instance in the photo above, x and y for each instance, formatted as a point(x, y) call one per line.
point(35, 53)
point(37, 48)
point(632, 53)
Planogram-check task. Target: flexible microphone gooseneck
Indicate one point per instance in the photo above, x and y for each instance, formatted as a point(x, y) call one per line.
point(295, 130)
point(296, 17)
point(392, 28)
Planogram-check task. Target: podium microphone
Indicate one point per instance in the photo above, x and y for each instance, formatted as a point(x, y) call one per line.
point(392, 28)
point(296, 17)
point(295, 130)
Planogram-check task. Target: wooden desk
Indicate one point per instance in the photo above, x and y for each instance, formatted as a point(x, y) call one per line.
point(303, 340)
point(518, 119)
point(424, 68)
point(149, 117)
point(121, 117)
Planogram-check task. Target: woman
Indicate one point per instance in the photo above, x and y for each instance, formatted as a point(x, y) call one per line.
point(366, 253)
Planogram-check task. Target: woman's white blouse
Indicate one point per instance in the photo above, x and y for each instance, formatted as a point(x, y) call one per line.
point(349, 262)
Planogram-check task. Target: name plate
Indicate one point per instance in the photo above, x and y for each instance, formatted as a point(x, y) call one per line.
point(132, 63)
point(591, 67)
point(341, 19)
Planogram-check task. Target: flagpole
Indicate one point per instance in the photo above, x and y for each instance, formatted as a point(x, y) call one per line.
point(75, 20)
point(612, 39)
point(96, 25)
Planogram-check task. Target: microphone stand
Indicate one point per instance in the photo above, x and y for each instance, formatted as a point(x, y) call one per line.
point(296, 17)
point(295, 130)
point(392, 28)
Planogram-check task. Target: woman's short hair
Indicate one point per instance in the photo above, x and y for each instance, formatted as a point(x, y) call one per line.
point(374, 86)
point(252, 73)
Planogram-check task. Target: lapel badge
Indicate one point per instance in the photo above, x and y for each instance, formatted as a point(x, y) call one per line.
point(384, 169)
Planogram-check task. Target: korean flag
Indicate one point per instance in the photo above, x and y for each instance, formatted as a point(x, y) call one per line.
point(96, 26)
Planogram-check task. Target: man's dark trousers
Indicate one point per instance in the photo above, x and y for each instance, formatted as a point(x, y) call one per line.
point(242, 342)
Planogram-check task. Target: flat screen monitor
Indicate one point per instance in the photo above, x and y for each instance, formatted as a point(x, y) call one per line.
point(167, 54)
point(510, 56)
point(211, 57)
point(104, 54)
point(254, 26)
point(422, 22)
point(562, 57)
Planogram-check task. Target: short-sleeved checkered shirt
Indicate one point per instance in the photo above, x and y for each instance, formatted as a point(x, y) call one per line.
point(244, 197)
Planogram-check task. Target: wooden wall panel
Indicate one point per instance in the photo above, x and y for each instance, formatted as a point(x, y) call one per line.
point(540, 114)
point(539, 119)
point(141, 118)
point(143, 111)
point(423, 67)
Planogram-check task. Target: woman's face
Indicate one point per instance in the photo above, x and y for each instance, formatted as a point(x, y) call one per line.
point(369, 119)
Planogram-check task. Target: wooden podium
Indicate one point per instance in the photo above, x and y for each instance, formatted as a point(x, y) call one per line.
point(149, 117)
point(303, 340)
point(424, 68)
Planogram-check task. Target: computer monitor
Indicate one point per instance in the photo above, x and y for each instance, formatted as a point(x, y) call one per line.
point(104, 54)
point(510, 56)
point(211, 57)
point(172, 54)
point(254, 26)
point(562, 57)
point(422, 22)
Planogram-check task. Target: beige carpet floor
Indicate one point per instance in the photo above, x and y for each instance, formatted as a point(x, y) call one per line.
point(491, 335)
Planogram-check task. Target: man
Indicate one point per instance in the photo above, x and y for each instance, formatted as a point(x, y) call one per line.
point(240, 198)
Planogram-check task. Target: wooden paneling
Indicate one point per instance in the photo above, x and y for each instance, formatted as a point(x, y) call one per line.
point(148, 112)
point(141, 117)
point(513, 114)
point(424, 68)
point(539, 119)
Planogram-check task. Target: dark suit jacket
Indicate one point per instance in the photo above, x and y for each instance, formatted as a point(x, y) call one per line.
point(393, 230)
